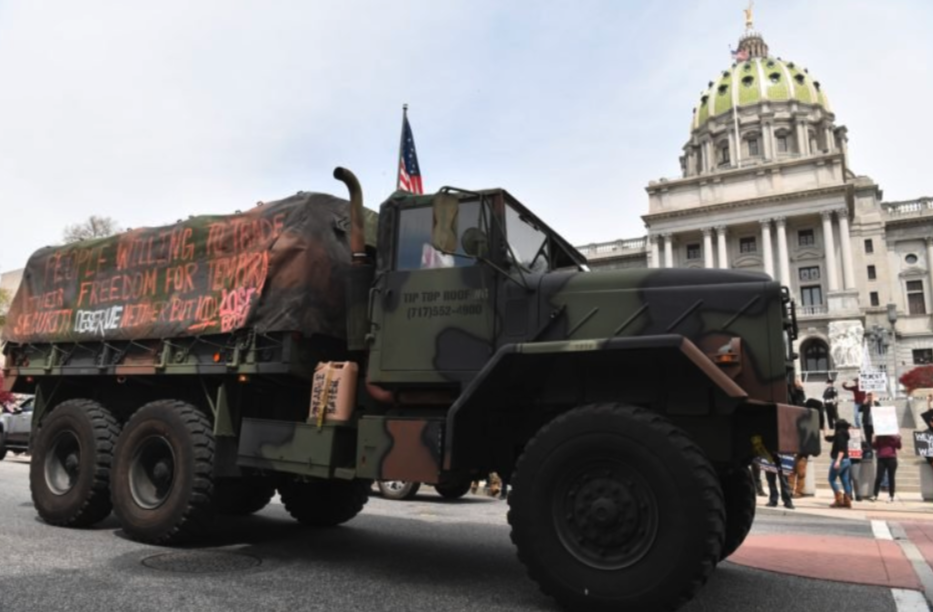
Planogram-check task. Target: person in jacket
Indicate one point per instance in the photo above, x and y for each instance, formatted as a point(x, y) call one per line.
point(868, 424)
point(840, 466)
point(886, 448)
point(830, 402)
point(858, 398)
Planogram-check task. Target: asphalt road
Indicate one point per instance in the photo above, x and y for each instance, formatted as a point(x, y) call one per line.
point(426, 554)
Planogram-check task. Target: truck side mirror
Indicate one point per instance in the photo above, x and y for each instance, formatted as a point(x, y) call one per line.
point(475, 243)
point(444, 230)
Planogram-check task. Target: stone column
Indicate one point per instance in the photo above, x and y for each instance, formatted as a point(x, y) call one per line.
point(655, 252)
point(767, 134)
point(930, 259)
point(830, 249)
point(771, 142)
point(766, 250)
point(783, 259)
point(733, 147)
point(708, 247)
point(848, 270)
point(721, 243)
point(668, 251)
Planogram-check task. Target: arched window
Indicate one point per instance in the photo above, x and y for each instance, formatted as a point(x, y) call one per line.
point(723, 153)
point(783, 142)
point(814, 356)
point(753, 145)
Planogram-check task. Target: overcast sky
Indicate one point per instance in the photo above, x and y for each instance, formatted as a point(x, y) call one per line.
point(148, 112)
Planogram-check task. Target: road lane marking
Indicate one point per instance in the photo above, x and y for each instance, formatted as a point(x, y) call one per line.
point(909, 601)
point(881, 530)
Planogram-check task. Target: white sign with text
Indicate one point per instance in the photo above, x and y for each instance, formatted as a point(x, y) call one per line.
point(885, 420)
point(873, 381)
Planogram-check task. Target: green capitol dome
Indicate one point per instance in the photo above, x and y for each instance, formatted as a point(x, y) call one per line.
point(755, 78)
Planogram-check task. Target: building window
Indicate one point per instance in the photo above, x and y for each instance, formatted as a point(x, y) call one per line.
point(916, 304)
point(923, 356)
point(869, 247)
point(805, 238)
point(753, 147)
point(911, 259)
point(782, 144)
point(693, 251)
point(723, 154)
point(815, 356)
point(810, 273)
point(873, 296)
point(872, 274)
point(811, 295)
point(748, 245)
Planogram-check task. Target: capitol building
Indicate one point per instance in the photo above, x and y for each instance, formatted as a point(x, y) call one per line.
point(766, 185)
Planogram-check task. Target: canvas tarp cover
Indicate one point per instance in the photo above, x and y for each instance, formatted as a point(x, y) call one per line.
point(280, 266)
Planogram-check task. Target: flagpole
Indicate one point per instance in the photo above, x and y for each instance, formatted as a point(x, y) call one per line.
point(401, 144)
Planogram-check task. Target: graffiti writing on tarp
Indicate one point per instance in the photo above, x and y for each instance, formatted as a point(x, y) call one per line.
point(204, 275)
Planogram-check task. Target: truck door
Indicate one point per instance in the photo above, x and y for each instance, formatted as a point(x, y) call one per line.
point(433, 308)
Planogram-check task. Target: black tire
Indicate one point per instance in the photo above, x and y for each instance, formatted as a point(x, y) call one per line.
point(401, 490)
point(70, 468)
point(738, 489)
point(455, 488)
point(241, 497)
point(163, 473)
point(324, 503)
point(615, 508)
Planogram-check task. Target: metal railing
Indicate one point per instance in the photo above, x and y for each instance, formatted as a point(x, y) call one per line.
point(812, 311)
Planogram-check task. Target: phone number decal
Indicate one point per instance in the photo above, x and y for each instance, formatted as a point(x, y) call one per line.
point(430, 312)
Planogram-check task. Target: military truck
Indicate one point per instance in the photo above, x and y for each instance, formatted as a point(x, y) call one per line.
point(173, 368)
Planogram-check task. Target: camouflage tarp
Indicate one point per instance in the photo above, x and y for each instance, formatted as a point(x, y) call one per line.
point(278, 267)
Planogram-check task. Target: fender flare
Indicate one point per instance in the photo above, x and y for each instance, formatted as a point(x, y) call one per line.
point(632, 365)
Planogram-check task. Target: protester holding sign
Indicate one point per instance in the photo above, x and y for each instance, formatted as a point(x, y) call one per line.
point(868, 422)
point(887, 447)
point(840, 465)
point(858, 397)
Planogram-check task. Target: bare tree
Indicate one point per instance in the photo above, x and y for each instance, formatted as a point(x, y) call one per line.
point(94, 227)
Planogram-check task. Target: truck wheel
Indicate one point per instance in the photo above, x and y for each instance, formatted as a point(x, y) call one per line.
point(455, 488)
point(69, 472)
point(398, 489)
point(163, 482)
point(615, 508)
point(324, 503)
point(738, 489)
point(240, 497)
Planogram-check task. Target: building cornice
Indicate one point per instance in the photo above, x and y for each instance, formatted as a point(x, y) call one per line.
point(748, 203)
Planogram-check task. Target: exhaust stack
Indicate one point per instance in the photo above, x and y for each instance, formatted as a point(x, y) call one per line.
point(357, 233)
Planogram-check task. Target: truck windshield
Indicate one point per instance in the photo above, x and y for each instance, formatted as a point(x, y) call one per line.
point(528, 243)
point(414, 239)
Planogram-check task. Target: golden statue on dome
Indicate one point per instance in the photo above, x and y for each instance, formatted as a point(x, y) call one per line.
point(748, 15)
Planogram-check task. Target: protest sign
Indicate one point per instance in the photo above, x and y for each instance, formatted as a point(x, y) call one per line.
point(923, 443)
point(885, 420)
point(855, 443)
point(873, 381)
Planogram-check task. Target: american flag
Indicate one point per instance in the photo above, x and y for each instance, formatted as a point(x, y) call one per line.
point(740, 56)
point(409, 174)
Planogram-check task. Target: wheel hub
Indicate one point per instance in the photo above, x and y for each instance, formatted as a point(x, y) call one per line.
point(606, 515)
point(152, 472)
point(62, 463)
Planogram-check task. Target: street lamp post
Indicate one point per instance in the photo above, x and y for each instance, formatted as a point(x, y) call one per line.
point(892, 318)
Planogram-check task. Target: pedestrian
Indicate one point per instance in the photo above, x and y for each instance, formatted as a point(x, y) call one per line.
point(887, 447)
point(797, 395)
point(756, 476)
point(840, 466)
point(868, 424)
point(830, 400)
point(927, 418)
point(858, 398)
point(779, 476)
point(797, 479)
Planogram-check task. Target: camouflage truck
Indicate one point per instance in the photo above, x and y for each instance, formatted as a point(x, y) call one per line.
point(172, 369)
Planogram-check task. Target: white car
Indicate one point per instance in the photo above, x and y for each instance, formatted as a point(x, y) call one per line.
point(15, 427)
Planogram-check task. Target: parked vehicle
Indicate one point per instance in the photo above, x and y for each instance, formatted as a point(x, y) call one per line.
point(173, 373)
point(15, 427)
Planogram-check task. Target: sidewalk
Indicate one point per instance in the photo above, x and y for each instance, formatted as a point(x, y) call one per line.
point(909, 507)
point(882, 560)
